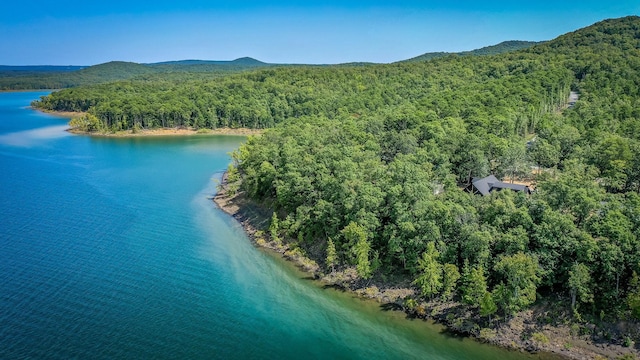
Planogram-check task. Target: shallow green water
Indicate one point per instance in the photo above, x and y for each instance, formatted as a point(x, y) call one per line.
point(111, 248)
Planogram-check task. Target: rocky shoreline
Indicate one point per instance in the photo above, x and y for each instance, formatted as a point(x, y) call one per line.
point(546, 328)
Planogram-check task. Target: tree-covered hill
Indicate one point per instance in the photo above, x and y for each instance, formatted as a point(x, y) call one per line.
point(55, 77)
point(374, 158)
point(501, 48)
point(61, 77)
point(240, 62)
point(12, 70)
point(111, 71)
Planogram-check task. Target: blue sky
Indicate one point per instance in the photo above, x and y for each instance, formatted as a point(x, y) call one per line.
point(66, 32)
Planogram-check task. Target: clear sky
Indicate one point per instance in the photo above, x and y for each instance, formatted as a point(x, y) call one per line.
point(71, 32)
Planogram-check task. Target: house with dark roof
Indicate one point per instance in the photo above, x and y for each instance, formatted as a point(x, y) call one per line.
point(485, 186)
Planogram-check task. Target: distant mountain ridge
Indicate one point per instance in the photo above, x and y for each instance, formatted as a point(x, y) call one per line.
point(58, 77)
point(39, 68)
point(245, 61)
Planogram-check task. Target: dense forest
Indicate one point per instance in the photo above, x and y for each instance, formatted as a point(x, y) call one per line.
point(370, 163)
point(456, 87)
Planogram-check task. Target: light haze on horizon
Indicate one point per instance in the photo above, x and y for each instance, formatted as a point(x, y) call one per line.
point(69, 32)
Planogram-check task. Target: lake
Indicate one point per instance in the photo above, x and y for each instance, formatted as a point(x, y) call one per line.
point(111, 248)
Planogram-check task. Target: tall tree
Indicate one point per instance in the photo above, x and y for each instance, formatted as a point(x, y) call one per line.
point(450, 277)
point(274, 228)
point(520, 275)
point(488, 306)
point(580, 284)
point(332, 255)
point(430, 272)
point(363, 264)
point(357, 236)
point(474, 285)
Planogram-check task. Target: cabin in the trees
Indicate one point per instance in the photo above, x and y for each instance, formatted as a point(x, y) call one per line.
point(489, 184)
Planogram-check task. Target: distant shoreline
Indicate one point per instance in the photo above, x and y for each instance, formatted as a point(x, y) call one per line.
point(171, 132)
point(25, 90)
point(153, 132)
point(62, 114)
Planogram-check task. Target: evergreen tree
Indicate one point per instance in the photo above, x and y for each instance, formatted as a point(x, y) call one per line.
point(430, 272)
point(357, 236)
point(450, 278)
point(475, 286)
point(488, 306)
point(332, 255)
point(363, 264)
point(274, 227)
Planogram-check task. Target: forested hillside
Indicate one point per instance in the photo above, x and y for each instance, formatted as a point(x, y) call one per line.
point(369, 163)
point(61, 77)
point(503, 47)
point(13, 70)
point(442, 88)
point(58, 77)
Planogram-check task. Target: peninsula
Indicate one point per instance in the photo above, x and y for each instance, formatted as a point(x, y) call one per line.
point(364, 174)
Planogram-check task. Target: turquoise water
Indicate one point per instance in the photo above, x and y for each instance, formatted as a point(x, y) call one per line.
point(111, 248)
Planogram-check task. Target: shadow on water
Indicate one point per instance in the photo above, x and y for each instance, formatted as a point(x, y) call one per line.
point(452, 334)
point(395, 307)
point(391, 307)
point(332, 286)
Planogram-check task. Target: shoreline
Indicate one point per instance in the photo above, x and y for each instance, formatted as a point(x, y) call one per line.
point(151, 132)
point(556, 341)
point(25, 90)
point(61, 114)
point(171, 132)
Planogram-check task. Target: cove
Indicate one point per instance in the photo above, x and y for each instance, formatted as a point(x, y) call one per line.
point(111, 248)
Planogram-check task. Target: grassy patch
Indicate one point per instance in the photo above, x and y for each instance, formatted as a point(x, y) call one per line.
point(540, 338)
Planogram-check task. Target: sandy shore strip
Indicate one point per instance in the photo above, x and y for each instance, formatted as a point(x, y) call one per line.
point(173, 132)
point(62, 114)
point(154, 132)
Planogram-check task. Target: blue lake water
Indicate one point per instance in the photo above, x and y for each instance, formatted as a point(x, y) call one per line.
point(110, 248)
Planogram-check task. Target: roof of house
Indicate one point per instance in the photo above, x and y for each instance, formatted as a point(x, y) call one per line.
point(487, 184)
point(484, 185)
